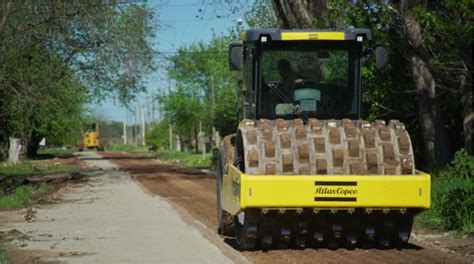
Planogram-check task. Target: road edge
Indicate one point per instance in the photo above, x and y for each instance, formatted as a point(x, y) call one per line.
point(206, 232)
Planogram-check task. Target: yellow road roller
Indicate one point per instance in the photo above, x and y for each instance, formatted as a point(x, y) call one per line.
point(304, 169)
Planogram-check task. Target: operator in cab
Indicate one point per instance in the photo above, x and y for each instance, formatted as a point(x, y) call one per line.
point(289, 77)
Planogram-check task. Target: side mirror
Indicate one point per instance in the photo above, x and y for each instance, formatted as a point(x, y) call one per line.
point(235, 56)
point(380, 57)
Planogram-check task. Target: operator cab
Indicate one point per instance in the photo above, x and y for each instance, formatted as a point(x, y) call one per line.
point(91, 127)
point(294, 73)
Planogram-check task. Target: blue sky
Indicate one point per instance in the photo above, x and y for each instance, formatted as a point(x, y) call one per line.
point(178, 25)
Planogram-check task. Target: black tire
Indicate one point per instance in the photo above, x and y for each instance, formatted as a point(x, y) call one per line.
point(245, 241)
point(238, 229)
point(224, 219)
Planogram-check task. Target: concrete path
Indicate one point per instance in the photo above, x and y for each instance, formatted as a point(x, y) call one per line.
point(109, 219)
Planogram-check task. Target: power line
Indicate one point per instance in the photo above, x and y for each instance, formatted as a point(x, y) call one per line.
point(190, 20)
point(183, 5)
point(176, 5)
point(111, 4)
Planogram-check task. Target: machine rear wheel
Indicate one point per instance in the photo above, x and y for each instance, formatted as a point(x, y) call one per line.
point(246, 235)
point(224, 219)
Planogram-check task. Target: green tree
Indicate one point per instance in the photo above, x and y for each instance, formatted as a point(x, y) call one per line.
point(205, 89)
point(158, 136)
point(261, 15)
point(55, 56)
point(448, 39)
point(430, 49)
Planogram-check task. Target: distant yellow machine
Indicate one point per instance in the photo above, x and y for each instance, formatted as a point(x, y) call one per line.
point(91, 137)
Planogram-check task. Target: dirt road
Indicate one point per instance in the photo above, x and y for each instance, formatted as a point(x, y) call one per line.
point(107, 219)
point(194, 192)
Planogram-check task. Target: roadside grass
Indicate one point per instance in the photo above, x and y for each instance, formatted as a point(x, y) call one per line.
point(26, 196)
point(187, 159)
point(22, 196)
point(126, 148)
point(452, 198)
point(15, 194)
point(56, 151)
point(28, 168)
point(4, 259)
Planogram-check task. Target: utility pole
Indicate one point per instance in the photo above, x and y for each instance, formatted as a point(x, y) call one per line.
point(201, 140)
point(153, 120)
point(142, 119)
point(129, 128)
point(169, 85)
point(147, 114)
point(125, 129)
point(125, 132)
point(213, 98)
point(137, 125)
point(160, 114)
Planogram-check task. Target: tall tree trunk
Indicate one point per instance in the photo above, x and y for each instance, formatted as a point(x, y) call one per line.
point(14, 151)
point(3, 144)
point(6, 7)
point(33, 145)
point(280, 14)
point(300, 13)
point(435, 142)
point(320, 10)
point(468, 115)
point(425, 86)
point(292, 21)
point(465, 88)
